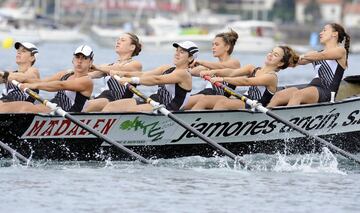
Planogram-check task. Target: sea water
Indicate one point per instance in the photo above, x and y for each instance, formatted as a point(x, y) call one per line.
point(322, 182)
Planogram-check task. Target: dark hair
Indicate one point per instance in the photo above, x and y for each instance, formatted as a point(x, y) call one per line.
point(229, 38)
point(290, 57)
point(135, 41)
point(33, 62)
point(341, 36)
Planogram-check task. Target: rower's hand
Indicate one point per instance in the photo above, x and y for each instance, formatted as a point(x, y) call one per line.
point(24, 85)
point(124, 80)
point(114, 72)
point(217, 79)
point(205, 73)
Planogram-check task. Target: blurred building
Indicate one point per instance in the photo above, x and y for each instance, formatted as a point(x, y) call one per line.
point(248, 9)
point(312, 11)
point(352, 15)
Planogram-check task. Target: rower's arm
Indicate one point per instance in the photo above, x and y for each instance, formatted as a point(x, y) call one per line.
point(156, 71)
point(171, 78)
point(206, 65)
point(197, 70)
point(246, 70)
point(330, 54)
point(31, 74)
point(133, 66)
point(55, 77)
point(233, 64)
point(96, 74)
point(263, 80)
point(78, 84)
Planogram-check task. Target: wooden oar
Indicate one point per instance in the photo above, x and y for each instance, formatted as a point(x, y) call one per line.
point(61, 112)
point(167, 113)
point(278, 118)
point(12, 151)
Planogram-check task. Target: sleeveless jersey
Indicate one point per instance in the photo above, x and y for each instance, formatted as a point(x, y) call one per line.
point(172, 96)
point(70, 101)
point(330, 73)
point(259, 93)
point(13, 93)
point(118, 91)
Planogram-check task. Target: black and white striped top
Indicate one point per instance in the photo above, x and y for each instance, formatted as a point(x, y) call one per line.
point(13, 93)
point(70, 101)
point(172, 96)
point(219, 91)
point(330, 73)
point(259, 93)
point(118, 91)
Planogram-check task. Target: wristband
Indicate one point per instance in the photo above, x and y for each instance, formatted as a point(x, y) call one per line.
point(135, 80)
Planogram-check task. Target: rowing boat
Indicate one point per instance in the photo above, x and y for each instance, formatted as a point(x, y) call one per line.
point(44, 136)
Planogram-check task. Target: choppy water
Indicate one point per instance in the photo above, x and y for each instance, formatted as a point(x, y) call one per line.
point(308, 183)
point(278, 183)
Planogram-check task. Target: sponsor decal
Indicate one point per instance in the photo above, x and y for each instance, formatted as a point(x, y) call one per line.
point(152, 130)
point(162, 130)
point(58, 127)
point(352, 119)
point(326, 121)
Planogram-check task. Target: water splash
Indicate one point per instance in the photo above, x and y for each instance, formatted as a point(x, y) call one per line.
point(308, 163)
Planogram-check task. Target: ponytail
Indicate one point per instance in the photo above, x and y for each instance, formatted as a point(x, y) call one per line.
point(341, 36)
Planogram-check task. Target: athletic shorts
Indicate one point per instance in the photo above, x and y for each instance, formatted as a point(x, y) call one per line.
point(112, 96)
point(324, 93)
point(171, 106)
point(12, 98)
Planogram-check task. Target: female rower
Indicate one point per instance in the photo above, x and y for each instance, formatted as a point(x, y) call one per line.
point(262, 81)
point(25, 59)
point(73, 88)
point(127, 46)
point(175, 82)
point(329, 64)
point(222, 48)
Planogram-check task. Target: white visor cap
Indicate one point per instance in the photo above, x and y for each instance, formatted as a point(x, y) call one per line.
point(28, 46)
point(84, 50)
point(189, 46)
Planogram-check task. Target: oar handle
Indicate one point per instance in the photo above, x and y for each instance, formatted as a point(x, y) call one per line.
point(208, 78)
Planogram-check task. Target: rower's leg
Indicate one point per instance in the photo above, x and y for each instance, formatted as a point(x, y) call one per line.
point(123, 105)
point(142, 108)
point(192, 101)
point(282, 97)
point(96, 105)
point(15, 106)
point(307, 95)
point(22, 107)
point(207, 102)
point(229, 104)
